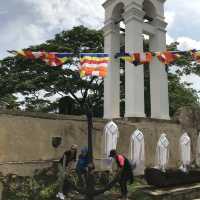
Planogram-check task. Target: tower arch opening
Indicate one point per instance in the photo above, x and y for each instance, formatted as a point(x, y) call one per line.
point(117, 12)
point(150, 11)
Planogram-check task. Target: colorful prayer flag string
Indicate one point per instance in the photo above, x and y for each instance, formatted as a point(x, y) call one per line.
point(135, 58)
point(142, 58)
point(94, 64)
point(50, 58)
point(167, 57)
point(145, 58)
point(124, 56)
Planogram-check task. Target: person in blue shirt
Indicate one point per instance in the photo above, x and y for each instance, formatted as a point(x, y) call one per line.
point(82, 166)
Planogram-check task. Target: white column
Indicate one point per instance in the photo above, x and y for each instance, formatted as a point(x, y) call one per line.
point(134, 76)
point(112, 81)
point(158, 74)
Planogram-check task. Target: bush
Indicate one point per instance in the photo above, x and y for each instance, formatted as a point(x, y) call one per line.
point(42, 186)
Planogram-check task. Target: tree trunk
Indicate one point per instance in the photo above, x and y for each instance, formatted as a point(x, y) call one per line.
point(90, 176)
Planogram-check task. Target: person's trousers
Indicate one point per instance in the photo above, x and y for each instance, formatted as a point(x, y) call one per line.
point(125, 177)
point(82, 176)
point(61, 177)
point(123, 186)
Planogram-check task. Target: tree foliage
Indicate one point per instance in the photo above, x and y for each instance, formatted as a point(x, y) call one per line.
point(30, 77)
point(181, 94)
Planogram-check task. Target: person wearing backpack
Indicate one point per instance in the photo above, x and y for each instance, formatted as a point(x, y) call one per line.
point(124, 172)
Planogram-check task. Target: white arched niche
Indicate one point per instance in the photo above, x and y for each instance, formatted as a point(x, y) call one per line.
point(111, 135)
point(110, 140)
point(185, 151)
point(162, 153)
point(137, 152)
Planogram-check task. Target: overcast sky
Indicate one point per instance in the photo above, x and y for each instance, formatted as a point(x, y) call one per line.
point(28, 22)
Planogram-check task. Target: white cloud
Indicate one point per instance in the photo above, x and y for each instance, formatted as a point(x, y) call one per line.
point(31, 22)
point(194, 80)
point(186, 43)
point(67, 13)
point(170, 19)
point(20, 37)
point(185, 17)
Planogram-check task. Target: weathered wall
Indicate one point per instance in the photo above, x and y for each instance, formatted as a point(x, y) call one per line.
point(25, 138)
point(189, 118)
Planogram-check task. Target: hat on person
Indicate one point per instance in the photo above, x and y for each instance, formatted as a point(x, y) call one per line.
point(74, 146)
point(84, 150)
point(113, 153)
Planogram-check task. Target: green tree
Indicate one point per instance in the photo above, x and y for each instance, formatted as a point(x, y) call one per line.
point(181, 94)
point(30, 77)
point(9, 101)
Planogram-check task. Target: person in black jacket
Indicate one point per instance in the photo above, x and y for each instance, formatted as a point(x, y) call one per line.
point(69, 157)
point(65, 164)
point(125, 172)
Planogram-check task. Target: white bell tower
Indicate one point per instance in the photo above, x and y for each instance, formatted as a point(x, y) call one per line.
point(140, 17)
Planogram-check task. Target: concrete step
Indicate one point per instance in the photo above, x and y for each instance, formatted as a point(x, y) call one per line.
point(186, 192)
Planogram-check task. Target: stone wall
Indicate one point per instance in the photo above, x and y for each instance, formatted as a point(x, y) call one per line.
point(189, 119)
point(26, 138)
